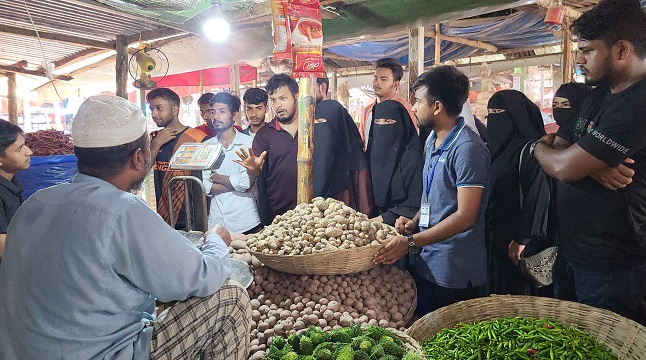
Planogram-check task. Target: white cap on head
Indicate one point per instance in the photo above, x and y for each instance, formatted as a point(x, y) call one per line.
point(105, 121)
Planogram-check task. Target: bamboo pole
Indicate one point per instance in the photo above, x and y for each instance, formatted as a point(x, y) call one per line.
point(121, 66)
point(305, 157)
point(335, 85)
point(460, 40)
point(438, 46)
point(201, 89)
point(568, 60)
point(415, 57)
point(12, 94)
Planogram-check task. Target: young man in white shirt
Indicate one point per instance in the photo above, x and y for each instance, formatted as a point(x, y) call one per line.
point(233, 192)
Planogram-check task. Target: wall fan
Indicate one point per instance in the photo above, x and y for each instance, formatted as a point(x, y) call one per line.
point(145, 64)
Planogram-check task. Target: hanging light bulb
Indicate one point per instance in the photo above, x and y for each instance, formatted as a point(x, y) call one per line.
point(217, 28)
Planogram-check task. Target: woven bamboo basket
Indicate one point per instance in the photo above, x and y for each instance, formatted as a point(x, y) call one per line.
point(409, 343)
point(626, 338)
point(327, 263)
point(409, 315)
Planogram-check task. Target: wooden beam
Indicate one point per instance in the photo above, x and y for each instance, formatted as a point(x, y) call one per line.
point(155, 34)
point(461, 40)
point(111, 59)
point(58, 37)
point(121, 66)
point(79, 56)
point(42, 73)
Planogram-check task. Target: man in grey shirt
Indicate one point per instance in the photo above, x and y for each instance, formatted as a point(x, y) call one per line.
point(85, 261)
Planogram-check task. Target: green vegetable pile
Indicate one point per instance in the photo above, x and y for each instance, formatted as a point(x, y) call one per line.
point(350, 343)
point(514, 338)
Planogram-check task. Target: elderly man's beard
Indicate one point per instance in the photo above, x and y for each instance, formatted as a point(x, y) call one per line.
point(136, 185)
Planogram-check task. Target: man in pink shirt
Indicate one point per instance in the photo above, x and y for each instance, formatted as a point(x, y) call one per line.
point(388, 74)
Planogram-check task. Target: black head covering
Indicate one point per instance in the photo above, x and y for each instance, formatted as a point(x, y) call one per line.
point(510, 130)
point(575, 93)
point(395, 156)
point(338, 149)
point(508, 133)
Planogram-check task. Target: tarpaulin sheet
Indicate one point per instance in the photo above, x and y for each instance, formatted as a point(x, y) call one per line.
point(516, 30)
point(211, 77)
point(46, 171)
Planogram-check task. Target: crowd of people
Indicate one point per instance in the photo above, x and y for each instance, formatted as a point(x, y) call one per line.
point(83, 263)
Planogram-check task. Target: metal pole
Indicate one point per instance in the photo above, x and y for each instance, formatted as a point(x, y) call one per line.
point(306, 107)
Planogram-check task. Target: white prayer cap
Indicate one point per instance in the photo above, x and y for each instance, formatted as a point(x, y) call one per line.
point(105, 121)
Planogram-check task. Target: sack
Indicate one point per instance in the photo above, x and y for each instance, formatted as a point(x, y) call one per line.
point(538, 267)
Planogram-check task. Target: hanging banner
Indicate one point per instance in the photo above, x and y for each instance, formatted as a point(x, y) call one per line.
point(306, 32)
point(280, 30)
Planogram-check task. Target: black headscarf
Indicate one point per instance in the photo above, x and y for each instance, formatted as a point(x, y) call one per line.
point(395, 156)
point(510, 130)
point(338, 149)
point(575, 93)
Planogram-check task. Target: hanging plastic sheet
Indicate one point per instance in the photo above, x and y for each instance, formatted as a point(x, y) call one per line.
point(517, 30)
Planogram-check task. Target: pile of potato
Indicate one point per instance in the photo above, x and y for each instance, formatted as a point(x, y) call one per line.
point(286, 303)
point(238, 250)
point(322, 226)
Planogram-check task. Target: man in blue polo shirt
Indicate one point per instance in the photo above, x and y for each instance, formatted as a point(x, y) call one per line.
point(446, 239)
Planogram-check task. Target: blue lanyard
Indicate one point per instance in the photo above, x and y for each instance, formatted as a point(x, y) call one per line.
point(431, 175)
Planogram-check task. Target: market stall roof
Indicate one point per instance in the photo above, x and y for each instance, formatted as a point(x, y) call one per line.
point(78, 36)
point(73, 34)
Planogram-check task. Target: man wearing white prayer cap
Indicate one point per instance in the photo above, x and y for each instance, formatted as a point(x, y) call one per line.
point(84, 262)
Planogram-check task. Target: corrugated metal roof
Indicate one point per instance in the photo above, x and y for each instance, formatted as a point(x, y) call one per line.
point(15, 48)
point(68, 18)
point(66, 21)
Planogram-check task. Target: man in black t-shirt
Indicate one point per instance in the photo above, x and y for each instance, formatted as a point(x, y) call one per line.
point(601, 162)
point(14, 156)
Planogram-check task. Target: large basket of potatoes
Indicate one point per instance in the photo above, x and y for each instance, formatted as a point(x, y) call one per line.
point(325, 237)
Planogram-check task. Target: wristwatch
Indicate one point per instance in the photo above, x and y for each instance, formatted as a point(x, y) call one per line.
point(412, 248)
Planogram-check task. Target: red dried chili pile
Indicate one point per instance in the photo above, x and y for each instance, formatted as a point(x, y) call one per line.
point(49, 142)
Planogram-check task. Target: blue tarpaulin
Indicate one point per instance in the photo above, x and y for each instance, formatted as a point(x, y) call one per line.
point(514, 31)
point(46, 171)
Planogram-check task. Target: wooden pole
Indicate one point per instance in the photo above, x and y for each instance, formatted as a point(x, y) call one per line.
point(201, 82)
point(305, 158)
point(568, 60)
point(438, 46)
point(121, 66)
point(12, 94)
point(461, 40)
point(415, 57)
point(335, 85)
point(142, 100)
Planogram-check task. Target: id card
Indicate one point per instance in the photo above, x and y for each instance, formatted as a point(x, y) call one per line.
point(425, 215)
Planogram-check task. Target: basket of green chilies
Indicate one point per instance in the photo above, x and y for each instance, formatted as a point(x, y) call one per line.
point(527, 327)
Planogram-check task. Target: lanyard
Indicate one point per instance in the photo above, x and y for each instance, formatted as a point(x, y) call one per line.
point(431, 175)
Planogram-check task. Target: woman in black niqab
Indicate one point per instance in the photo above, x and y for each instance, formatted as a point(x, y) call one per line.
point(396, 162)
point(512, 123)
point(567, 102)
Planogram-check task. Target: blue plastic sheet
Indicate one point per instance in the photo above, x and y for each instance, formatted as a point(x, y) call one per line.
point(516, 30)
point(46, 171)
